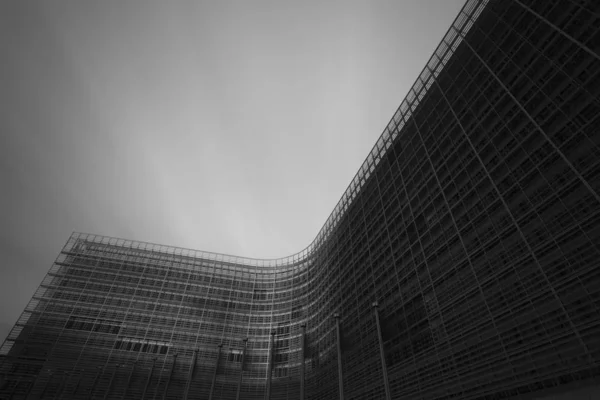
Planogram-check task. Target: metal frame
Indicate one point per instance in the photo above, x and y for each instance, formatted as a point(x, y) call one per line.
point(472, 223)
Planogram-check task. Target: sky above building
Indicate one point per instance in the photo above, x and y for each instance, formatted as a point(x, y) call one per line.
point(224, 126)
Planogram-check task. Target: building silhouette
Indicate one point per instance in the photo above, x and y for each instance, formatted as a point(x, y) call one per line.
point(474, 223)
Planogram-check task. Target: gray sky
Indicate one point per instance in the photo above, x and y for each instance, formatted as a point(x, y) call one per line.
point(225, 126)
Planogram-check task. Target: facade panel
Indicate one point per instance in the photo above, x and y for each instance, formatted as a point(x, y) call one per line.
point(473, 222)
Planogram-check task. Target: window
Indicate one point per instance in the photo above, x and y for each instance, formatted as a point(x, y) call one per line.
point(296, 312)
point(92, 324)
point(259, 294)
point(282, 330)
point(235, 356)
point(141, 345)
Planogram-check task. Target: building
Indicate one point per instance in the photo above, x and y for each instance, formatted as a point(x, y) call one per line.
point(474, 222)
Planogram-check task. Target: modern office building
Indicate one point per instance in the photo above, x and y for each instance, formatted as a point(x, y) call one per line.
point(474, 222)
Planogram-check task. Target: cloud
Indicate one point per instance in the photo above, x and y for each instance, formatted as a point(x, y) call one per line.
point(226, 126)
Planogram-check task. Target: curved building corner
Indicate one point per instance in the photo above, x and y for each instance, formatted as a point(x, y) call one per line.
point(473, 224)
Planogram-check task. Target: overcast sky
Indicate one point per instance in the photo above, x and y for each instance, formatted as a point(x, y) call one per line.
point(224, 126)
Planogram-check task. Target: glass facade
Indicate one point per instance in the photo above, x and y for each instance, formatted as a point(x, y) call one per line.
point(474, 222)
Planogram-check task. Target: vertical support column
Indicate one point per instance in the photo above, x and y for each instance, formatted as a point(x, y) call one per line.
point(63, 382)
point(190, 374)
point(339, 355)
point(214, 379)
point(78, 382)
point(93, 389)
point(386, 382)
point(239, 387)
point(50, 375)
point(302, 361)
point(270, 365)
point(129, 380)
point(14, 389)
point(31, 387)
point(149, 378)
point(112, 378)
point(170, 376)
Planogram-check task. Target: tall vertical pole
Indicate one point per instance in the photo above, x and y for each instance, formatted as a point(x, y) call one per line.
point(31, 387)
point(78, 382)
point(339, 353)
point(93, 389)
point(50, 374)
point(239, 387)
point(302, 361)
point(214, 379)
point(190, 374)
point(270, 365)
point(170, 376)
point(149, 378)
point(386, 382)
point(129, 380)
point(63, 383)
point(112, 378)
point(14, 389)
